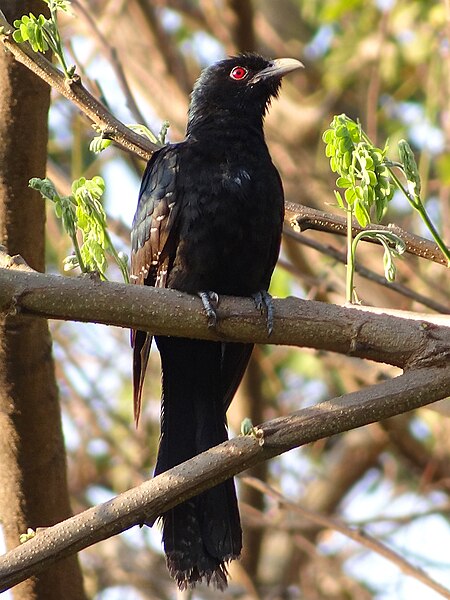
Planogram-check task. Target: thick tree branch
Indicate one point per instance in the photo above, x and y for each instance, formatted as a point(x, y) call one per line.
point(401, 341)
point(144, 503)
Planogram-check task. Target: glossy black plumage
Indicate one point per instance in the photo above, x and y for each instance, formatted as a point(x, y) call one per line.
point(209, 218)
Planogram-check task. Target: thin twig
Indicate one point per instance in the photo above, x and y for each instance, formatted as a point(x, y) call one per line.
point(356, 534)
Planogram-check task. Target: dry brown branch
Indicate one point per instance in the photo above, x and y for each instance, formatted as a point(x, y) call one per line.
point(411, 390)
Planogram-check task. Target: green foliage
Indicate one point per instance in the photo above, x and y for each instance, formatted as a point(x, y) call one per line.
point(43, 33)
point(393, 247)
point(361, 168)
point(366, 176)
point(409, 167)
point(83, 211)
point(247, 428)
point(412, 192)
point(24, 537)
point(30, 29)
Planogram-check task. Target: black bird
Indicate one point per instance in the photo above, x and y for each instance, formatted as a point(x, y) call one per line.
point(208, 222)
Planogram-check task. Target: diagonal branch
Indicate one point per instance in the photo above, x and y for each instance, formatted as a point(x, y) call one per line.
point(146, 502)
point(73, 90)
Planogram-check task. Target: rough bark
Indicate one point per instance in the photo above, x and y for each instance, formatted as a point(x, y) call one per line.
point(33, 486)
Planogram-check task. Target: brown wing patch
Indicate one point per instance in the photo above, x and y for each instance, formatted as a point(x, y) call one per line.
point(152, 245)
point(150, 262)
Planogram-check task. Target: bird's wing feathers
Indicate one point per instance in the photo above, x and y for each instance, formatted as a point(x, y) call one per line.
point(154, 219)
point(153, 245)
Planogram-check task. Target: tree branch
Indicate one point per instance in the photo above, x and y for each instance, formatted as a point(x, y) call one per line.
point(146, 502)
point(73, 90)
point(304, 217)
point(401, 341)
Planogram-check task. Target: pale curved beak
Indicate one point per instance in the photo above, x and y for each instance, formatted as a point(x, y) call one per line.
point(278, 68)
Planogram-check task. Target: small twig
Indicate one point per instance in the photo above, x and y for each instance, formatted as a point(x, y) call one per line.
point(356, 534)
point(304, 217)
point(111, 55)
point(73, 90)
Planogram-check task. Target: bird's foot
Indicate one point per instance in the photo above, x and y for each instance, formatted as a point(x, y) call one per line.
point(263, 302)
point(208, 299)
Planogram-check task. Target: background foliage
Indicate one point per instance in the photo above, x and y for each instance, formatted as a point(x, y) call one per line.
point(383, 62)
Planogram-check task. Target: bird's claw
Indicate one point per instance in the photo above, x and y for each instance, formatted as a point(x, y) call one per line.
point(263, 303)
point(208, 299)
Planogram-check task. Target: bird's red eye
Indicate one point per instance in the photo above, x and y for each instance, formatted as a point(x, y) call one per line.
point(238, 73)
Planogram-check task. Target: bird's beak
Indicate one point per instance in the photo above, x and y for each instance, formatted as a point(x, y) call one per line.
point(277, 69)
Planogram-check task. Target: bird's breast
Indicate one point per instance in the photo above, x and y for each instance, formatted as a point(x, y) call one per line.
point(230, 227)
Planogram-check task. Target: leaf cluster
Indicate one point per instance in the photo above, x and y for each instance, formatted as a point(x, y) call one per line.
point(361, 168)
point(83, 211)
point(43, 34)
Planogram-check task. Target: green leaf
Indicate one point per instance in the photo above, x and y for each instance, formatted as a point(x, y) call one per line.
point(380, 208)
point(98, 144)
point(350, 195)
point(409, 167)
point(45, 187)
point(361, 214)
point(344, 182)
point(17, 36)
point(339, 199)
point(328, 136)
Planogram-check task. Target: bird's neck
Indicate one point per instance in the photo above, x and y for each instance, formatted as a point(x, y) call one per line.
point(206, 125)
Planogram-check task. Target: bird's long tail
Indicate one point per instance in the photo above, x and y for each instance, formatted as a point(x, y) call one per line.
point(202, 534)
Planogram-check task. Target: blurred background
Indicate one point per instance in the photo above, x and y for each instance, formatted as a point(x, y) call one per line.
point(384, 62)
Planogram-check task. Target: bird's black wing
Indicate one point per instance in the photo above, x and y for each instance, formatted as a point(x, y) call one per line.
point(153, 245)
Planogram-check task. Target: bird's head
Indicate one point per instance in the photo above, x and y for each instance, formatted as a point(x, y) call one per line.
point(242, 85)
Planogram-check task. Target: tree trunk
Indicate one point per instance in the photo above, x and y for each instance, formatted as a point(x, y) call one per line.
point(33, 485)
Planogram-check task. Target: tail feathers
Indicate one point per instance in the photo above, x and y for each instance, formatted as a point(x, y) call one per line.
point(141, 342)
point(201, 536)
